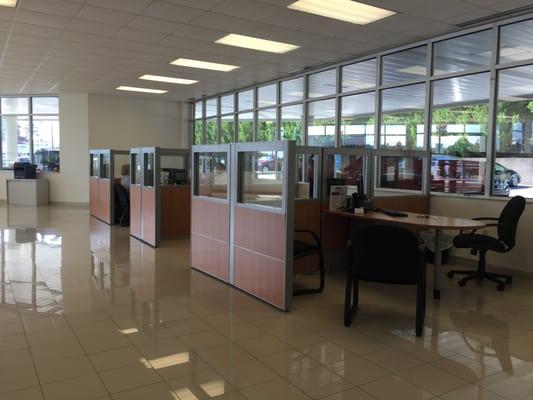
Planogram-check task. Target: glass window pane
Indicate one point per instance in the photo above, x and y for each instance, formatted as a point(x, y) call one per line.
point(149, 165)
point(15, 140)
point(211, 131)
point(105, 160)
point(246, 100)
point(45, 105)
point(95, 165)
point(459, 134)
point(198, 111)
point(292, 123)
point(357, 120)
point(306, 169)
point(401, 173)
point(198, 132)
point(212, 177)
point(516, 42)
point(46, 142)
point(15, 105)
point(267, 95)
point(227, 104)
point(344, 169)
point(513, 171)
point(463, 52)
point(211, 106)
point(359, 76)
point(136, 174)
point(405, 65)
point(246, 128)
point(266, 130)
point(321, 123)
point(402, 118)
point(261, 178)
point(292, 90)
point(322, 83)
point(227, 127)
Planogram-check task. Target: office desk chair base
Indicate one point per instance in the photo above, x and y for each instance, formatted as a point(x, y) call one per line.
point(481, 274)
point(320, 289)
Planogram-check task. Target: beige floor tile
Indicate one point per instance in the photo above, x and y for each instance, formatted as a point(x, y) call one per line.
point(100, 336)
point(326, 352)
point(53, 322)
point(178, 364)
point(161, 348)
point(470, 392)
point(33, 393)
point(393, 360)
point(17, 371)
point(465, 368)
point(432, 379)
point(224, 354)
point(157, 391)
point(512, 384)
point(52, 369)
point(358, 371)
point(319, 382)
point(288, 362)
point(205, 339)
point(12, 342)
point(263, 345)
point(358, 343)
point(203, 385)
point(247, 374)
point(278, 389)
point(133, 376)
point(188, 326)
point(10, 328)
point(394, 388)
point(351, 394)
point(116, 358)
point(81, 388)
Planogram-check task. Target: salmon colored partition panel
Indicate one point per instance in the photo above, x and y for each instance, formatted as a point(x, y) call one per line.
point(135, 211)
point(149, 215)
point(93, 196)
point(104, 200)
point(210, 237)
point(259, 254)
point(175, 211)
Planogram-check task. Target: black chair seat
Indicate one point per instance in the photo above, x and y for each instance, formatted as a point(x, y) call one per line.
point(304, 249)
point(475, 241)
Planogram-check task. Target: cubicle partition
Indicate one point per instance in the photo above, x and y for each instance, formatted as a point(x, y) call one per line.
point(105, 172)
point(159, 194)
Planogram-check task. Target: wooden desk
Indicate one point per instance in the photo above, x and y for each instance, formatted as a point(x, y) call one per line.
point(421, 221)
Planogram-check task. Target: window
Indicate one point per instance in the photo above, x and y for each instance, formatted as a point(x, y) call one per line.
point(266, 129)
point(292, 90)
point(30, 131)
point(246, 128)
point(357, 120)
point(198, 110)
point(516, 42)
point(322, 83)
point(227, 104)
point(405, 65)
point(400, 172)
point(227, 128)
point(358, 76)
point(321, 123)
point(246, 100)
point(513, 168)
point(149, 172)
point(211, 131)
point(211, 107)
point(402, 117)
point(463, 52)
point(459, 134)
point(344, 169)
point(211, 175)
point(198, 131)
point(292, 123)
point(267, 95)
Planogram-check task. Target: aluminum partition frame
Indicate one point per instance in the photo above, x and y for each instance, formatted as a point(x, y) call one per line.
point(136, 188)
point(307, 151)
point(94, 177)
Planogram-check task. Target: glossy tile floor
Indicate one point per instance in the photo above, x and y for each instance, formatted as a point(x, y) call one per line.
point(88, 313)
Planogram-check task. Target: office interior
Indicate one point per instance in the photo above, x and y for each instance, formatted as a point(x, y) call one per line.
point(190, 149)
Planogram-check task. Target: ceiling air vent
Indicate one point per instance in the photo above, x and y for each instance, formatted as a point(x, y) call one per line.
point(515, 12)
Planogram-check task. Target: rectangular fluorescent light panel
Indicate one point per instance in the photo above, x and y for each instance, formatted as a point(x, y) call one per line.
point(167, 79)
point(8, 3)
point(187, 62)
point(142, 90)
point(249, 42)
point(344, 10)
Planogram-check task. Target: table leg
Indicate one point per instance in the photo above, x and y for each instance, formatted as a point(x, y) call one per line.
point(437, 276)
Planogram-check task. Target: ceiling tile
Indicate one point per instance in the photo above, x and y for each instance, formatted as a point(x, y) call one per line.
point(105, 16)
point(133, 6)
point(172, 12)
point(56, 7)
point(202, 4)
point(140, 36)
point(37, 18)
point(79, 25)
point(154, 25)
point(246, 9)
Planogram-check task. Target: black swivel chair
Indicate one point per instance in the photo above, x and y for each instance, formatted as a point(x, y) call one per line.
point(385, 254)
point(506, 225)
point(303, 249)
point(122, 205)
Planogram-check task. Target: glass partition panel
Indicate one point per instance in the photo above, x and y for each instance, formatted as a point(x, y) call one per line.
point(95, 165)
point(46, 142)
point(306, 173)
point(357, 120)
point(246, 128)
point(227, 104)
point(261, 178)
point(463, 52)
point(266, 121)
point(227, 128)
point(516, 42)
point(359, 76)
point(105, 172)
point(292, 122)
point(198, 131)
point(211, 107)
point(149, 166)
point(402, 117)
point(211, 131)
point(136, 172)
point(212, 176)
point(267, 95)
point(15, 140)
point(400, 172)
point(405, 65)
point(459, 134)
point(292, 90)
point(513, 169)
point(321, 123)
point(173, 170)
point(344, 169)
point(246, 100)
point(322, 83)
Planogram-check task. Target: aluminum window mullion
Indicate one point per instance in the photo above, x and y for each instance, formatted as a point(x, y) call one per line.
point(426, 161)
point(305, 112)
point(492, 115)
point(338, 138)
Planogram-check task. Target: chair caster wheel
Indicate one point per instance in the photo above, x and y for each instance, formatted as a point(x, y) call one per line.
point(462, 284)
point(500, 288)
point(450, 274)
point(509, 280)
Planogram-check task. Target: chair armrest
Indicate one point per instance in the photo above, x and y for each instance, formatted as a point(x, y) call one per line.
point(485, 218)
point(313, 234)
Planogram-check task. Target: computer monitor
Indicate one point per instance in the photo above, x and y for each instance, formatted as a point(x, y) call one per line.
point(176, 176)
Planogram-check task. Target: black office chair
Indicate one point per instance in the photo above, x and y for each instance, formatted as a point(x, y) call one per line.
point(506, 227)
point(385, 254)
point(122, 205)
point(304, 249)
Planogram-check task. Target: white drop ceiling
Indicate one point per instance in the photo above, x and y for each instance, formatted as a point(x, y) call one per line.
point(93, 46)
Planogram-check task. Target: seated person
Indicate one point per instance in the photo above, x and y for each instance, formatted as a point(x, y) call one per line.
point(125, 176)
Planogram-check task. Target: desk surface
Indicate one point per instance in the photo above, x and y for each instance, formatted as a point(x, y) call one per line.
point(412, 219)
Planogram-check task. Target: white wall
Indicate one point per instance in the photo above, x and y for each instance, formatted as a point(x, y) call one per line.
point(520, 258)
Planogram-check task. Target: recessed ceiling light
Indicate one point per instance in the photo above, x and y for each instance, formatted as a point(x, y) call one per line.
point(8, 3)
point(249, 42)
point(142, 90)
point(187, 62)
point(344, 10)
point(168, 79)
